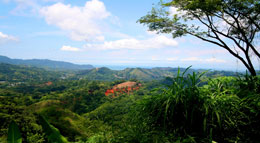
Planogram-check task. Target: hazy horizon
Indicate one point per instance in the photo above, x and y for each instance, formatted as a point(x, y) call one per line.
point(140, 65)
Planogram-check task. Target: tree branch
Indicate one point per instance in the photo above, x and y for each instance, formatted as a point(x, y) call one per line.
point(246, 40)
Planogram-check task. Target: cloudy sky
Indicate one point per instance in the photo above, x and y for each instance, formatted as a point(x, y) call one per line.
point(98, 32)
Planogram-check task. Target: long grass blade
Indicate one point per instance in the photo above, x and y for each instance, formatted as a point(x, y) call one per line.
point(14, 135)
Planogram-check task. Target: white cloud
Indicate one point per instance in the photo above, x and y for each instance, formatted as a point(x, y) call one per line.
point(69, 48)
point(196, 59)
point(174, 10)
point(135, 44)
point(5, 38)
point(82, 23)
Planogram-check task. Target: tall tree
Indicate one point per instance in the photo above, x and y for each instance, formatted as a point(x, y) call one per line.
point(231, 24)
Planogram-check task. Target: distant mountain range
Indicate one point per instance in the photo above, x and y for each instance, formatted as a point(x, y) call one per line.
point(144, 74)
point(46, 64)
point(22, 70)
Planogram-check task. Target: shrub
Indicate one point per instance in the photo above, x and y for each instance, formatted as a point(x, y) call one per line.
point(186, 112)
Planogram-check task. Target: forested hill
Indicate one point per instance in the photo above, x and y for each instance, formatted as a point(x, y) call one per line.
point(144, 74)
point(22, 73)
point(47, 64)
point(14, 73)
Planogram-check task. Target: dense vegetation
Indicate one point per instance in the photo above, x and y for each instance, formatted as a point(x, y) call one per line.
point(186, 107)
point(13, 73)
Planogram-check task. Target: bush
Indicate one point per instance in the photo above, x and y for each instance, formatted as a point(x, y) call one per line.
point(186, 112)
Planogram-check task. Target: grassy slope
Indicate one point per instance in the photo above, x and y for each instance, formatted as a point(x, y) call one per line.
point(69, 123)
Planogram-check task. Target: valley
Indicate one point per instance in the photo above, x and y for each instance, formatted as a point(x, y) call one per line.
point(100, 104)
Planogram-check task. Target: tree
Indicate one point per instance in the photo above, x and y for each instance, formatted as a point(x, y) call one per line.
point(231, 24)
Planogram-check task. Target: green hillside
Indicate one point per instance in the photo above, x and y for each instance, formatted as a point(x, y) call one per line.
point(47, 64)
point(144, 74)
point(103, 73)
point(14, 73)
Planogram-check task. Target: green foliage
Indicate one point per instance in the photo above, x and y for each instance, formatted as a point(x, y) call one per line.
point(52, 133)
point(97, 139)
point(111, 119)
point(186, 107)
point(14, 135)
point(86, 98)
point(248, 85)
point(70, 124)
point(11, 109)
point(186, 112)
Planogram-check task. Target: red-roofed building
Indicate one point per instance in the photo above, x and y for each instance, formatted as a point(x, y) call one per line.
point(122, 88)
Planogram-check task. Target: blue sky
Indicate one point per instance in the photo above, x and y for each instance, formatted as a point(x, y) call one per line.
point(99, 32)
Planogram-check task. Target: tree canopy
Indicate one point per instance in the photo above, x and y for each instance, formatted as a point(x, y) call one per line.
point(231, 24)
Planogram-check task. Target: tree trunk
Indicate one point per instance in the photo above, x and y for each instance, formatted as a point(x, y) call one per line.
point(252, 71)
